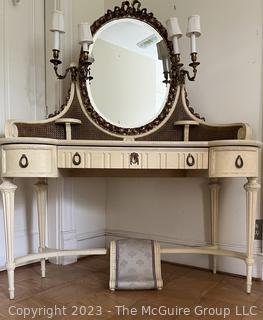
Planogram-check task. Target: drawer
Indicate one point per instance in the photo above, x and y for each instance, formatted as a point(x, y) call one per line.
point(124, 158)
point(234, 162)
point(29, 161)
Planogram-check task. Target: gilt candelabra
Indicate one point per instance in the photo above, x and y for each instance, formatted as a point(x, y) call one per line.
point(85, 40)
point(177, 71)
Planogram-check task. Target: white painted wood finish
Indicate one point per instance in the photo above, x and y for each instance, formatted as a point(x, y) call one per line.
point(223, 162)
point(8, 189)
point(41, 188)
point(120, 158)
point(42, 161)
point(251, 188)
point(214, 186)
point(47, 160)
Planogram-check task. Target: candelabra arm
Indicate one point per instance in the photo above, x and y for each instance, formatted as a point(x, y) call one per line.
point(72, 69)
point(60, 76)
point(187, 73)
point(193, 65)
point(181, 73)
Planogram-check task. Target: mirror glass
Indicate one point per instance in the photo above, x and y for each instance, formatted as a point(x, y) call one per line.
point(127, 89)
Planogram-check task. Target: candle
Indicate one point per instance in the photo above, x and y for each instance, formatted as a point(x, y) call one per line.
point(193, 31)
point(176, 45)
point(57, 27)
point(162, 50)
point(163, 54)
point(193, 43)
point(85, 36)
point(56, 43)
point(174, 33)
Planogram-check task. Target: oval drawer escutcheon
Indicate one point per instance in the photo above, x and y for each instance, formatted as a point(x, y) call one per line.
point(76, 159)
point(239, 162)
point(190, 160)
point(23, 162)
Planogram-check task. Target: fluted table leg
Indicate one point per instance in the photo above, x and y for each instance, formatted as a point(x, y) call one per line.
point(41, 192)
point(251, 188)
point(8, 189)
point(214, 186)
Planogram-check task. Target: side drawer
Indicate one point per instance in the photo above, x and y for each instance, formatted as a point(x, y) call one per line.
point(234, 162)
point(29, 161)
point(124, 158)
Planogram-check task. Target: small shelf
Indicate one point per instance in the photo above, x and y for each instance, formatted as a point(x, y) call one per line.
point(68, 122)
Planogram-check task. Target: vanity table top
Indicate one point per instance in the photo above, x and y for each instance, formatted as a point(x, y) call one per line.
point(115, 143)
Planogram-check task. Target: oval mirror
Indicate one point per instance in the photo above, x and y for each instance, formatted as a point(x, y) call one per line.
point(128, 88)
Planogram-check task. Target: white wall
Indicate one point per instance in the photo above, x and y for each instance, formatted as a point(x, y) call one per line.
point(22, 96)
point(227, 89)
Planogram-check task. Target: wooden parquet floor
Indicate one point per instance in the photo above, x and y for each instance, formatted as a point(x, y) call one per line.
point(85, 284)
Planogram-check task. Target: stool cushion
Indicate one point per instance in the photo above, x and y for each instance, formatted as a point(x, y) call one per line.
point(135, 264)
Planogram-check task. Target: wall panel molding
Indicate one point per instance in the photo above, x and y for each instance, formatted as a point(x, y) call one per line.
point(22, 95)
point(4, 70)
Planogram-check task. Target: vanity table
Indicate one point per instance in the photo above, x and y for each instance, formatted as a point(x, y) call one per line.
point(95, 132)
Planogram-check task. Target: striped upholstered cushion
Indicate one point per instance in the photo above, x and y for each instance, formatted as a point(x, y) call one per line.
point(135, 265)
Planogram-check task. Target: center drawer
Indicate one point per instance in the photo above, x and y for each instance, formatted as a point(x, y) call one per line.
point(127, 158)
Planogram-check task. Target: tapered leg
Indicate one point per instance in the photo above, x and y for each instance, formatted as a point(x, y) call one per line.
point(8, 189)
point(214, 186)
point(41, 192)
point(251, 188)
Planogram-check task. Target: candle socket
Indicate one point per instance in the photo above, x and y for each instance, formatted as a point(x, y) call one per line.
point(194, 63)
point(177, 61)
point(177, 58)
point(178, 65)
point(55, 61)
point(85, 62)
point(194, 56)
point(166, 77)
point(84, 58)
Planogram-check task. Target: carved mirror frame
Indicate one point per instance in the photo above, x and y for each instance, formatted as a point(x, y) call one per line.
point(133, 11)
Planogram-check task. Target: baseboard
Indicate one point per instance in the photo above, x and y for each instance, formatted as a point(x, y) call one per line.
point(229, 265)
point(92, 239)
point(91, 235)
point(71, 240)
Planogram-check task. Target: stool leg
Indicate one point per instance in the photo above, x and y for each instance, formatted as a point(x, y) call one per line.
point(8, 189)
point(214, 186)
point(41, 192)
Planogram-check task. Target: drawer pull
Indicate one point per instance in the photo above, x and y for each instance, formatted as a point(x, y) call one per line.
point(239, 162)
point(134, 158)
point(76, 159)
point(190, 160)
point(23, 162)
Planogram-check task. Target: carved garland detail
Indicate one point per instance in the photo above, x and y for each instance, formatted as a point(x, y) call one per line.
point(134, 11)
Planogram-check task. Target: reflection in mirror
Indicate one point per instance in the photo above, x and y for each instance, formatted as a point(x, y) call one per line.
point(130, 61)
point(163, 55)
